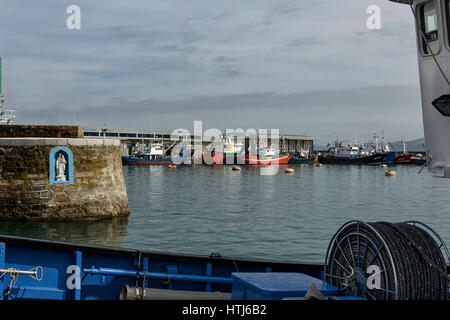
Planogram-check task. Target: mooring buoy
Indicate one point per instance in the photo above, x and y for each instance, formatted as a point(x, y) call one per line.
point(236, 168)
point(390, 173)
point(289, 170)
point(319, 165)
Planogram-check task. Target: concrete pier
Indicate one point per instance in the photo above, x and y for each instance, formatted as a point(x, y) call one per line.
point(132, 139)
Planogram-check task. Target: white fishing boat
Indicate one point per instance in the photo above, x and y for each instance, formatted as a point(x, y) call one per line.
point(230, 148)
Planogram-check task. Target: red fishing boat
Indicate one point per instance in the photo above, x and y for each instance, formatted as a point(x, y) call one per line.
point(403, 158)
point(266, 156)
point(254, 160)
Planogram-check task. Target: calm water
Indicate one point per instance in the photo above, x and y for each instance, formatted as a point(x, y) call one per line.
point(202, 209)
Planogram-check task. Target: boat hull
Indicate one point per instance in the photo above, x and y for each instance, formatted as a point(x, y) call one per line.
point(377, 158)
point(143, 161)
point(403, 159)
point(298, 160)
point(418, 162)
point(254, 160)
point(85, 272)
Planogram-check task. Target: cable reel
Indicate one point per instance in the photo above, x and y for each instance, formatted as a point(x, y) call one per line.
point(387, 261)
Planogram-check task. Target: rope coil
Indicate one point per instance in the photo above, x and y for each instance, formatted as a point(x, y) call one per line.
point(383, 260)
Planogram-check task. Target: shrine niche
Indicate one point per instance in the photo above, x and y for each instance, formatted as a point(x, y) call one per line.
point(61, 166)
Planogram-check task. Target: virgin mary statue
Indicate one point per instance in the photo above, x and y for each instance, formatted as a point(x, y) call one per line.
point(61, 168)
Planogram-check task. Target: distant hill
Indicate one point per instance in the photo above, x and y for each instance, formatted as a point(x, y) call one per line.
point(412, 145)
point(319, 147)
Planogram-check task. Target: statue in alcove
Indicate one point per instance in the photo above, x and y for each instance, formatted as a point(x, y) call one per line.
point(61, 167)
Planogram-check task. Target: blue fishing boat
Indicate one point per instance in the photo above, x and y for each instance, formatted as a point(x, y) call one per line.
point(41, 269)
point(142, 159)
point(152, 154)
point(155, 154)
point(358, 153)
point(418, 160)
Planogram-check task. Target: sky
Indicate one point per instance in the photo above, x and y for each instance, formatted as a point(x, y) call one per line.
point(305, 67)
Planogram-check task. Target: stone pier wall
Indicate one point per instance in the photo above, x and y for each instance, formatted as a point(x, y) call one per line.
point(40, 131)
point(26, 192)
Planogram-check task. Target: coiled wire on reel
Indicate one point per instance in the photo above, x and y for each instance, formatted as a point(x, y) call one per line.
point(385, 261)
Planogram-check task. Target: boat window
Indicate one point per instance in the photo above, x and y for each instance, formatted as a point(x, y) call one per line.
point(429, 27)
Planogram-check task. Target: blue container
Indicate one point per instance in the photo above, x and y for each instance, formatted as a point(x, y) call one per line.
point(275, 285)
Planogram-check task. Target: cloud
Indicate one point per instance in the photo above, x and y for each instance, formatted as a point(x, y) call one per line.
point(272, 62)
point(367, 109)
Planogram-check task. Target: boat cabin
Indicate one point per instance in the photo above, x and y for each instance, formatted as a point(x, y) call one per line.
point(432, 22)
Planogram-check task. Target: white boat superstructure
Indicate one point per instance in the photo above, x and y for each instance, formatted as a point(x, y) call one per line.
point(349, 151)
point(266, 152)
point(154, 149)
point(376, 147)
point(230, 147)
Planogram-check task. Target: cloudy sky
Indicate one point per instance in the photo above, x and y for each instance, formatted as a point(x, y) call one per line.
point(305, 67)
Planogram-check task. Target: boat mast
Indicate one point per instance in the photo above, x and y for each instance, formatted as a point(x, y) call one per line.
point(404, 145)
point(375, 138)
point(385, 147)
point(6, 116)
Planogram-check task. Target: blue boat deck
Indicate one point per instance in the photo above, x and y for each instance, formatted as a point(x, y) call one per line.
point(41, 269)
point(83, 272)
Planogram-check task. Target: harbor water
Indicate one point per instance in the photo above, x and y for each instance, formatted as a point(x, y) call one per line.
point(242, 214)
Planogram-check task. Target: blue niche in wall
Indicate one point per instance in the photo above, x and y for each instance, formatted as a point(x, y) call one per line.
point(61, 166)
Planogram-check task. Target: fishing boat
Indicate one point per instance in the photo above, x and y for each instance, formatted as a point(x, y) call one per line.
point(232, 153)
point(232, 149)
point(404, 157)
point(301, 160)
point(255, 160)
point(364, 260)
point(373, 159)
point(356, 154)
point(52, 270)
point(418, 160)
point(267, 155)
point(301, 157)
point(153, 154)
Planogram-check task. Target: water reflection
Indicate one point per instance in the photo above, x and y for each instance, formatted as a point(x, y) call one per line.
point(111, 232)
point(200, 209)
point(283, 217)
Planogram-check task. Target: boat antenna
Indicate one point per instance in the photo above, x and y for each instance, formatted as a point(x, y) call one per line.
point(424, 39)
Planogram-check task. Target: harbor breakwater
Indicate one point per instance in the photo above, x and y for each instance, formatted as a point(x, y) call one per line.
point(52, 173)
